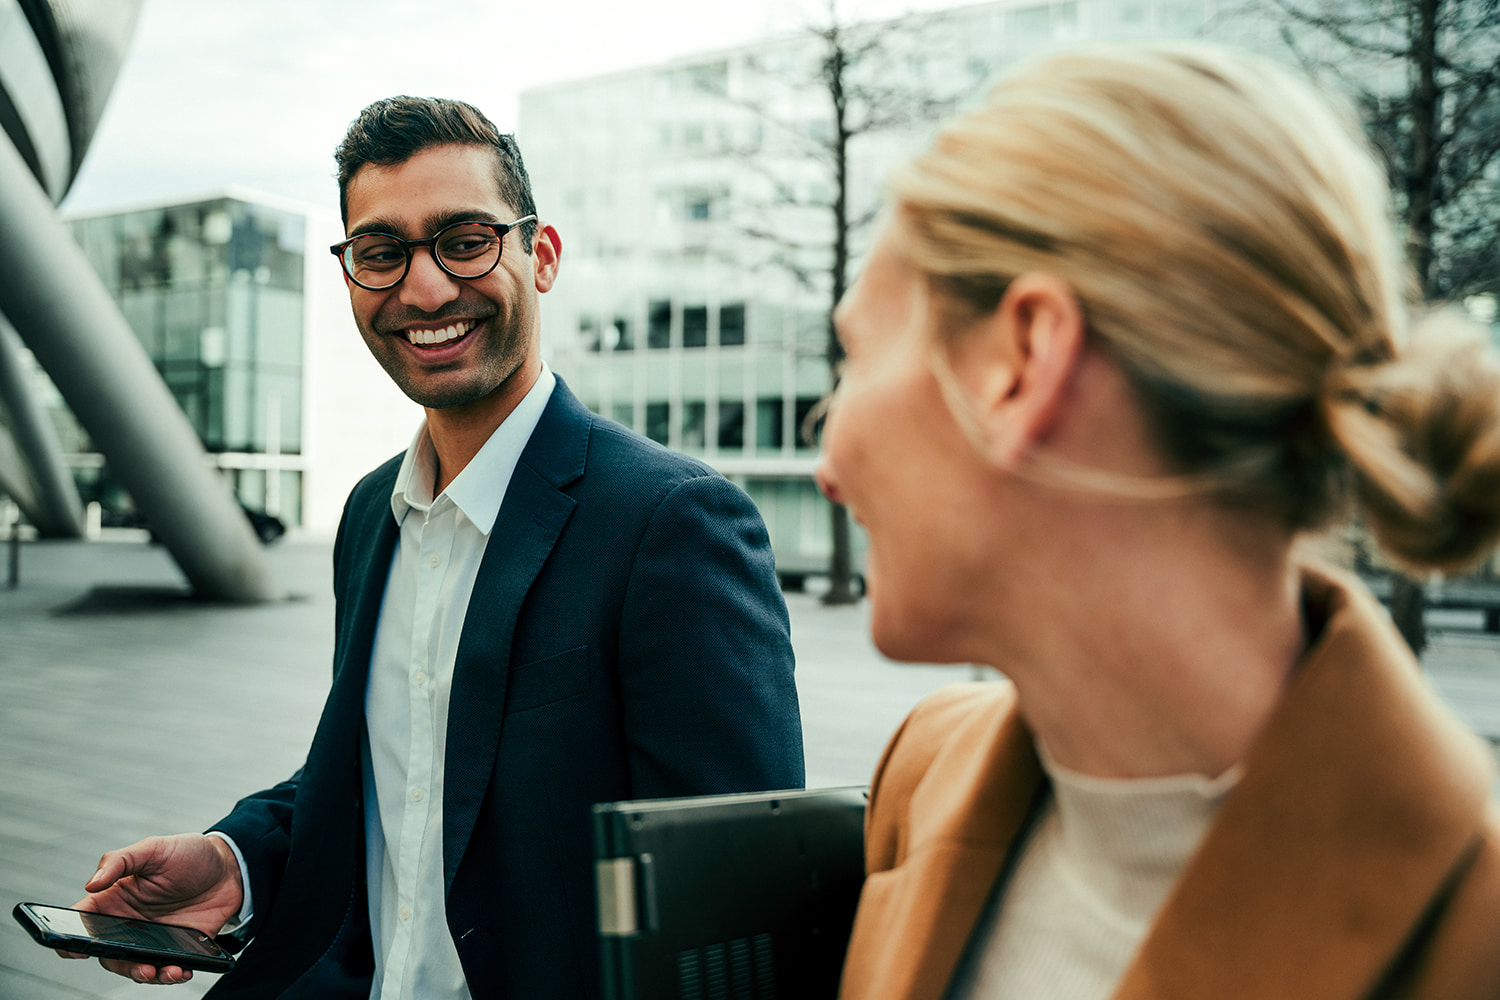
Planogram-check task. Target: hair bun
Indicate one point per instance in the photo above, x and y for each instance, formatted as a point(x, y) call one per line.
point(1422, 434)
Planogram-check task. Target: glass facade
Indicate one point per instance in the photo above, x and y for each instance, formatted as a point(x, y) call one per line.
point(713, 387)
point(693, 304)
point(731, 381)
point(214, 291)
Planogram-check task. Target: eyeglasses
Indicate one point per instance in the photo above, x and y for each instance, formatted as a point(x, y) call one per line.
point(468, 250)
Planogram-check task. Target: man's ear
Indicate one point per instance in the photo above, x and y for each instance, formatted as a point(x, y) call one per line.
point(1016, 364)
point(546, 256)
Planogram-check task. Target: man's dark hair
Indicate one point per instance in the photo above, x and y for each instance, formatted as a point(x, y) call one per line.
point(395, 129)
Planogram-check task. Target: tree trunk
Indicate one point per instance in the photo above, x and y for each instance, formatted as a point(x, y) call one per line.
point(841, 588)
point(1407, 598)
point(1422, 172)
point(1407, 605)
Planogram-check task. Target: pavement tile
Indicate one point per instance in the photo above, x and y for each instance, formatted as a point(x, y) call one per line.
point(128, 709)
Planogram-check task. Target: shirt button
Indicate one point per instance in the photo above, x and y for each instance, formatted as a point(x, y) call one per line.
point(420, 677)
point(405, 913)
point(416, 795)
point(433, 561)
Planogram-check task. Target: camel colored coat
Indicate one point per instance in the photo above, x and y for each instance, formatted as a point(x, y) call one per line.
point(1358, 857)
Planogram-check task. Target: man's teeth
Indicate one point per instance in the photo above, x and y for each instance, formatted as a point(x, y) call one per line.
point(447, 333)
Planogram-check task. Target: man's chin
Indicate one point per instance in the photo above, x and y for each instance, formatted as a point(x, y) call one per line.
point(436, 398)
point(434, 392)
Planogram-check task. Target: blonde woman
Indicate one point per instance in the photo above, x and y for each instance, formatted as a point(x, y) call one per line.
point(1134, 327)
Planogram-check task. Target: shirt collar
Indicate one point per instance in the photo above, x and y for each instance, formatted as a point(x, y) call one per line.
point(479, 489)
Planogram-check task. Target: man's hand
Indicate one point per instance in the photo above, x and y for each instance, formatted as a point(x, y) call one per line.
point(188, 879)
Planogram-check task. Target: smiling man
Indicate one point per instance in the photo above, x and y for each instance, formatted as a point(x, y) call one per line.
point(537, 610)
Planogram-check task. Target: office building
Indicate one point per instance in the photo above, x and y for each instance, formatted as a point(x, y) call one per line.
point(694, 209)
point(242, 310)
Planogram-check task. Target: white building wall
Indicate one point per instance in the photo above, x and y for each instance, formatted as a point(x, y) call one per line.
point(355, 417)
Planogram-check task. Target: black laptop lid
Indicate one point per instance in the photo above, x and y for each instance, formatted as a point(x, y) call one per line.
point(728, 896)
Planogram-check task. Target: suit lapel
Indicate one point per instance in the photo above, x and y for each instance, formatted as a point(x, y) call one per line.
point(328, 859)
point(1356, 805)
point(528, 525)
point(335, 749)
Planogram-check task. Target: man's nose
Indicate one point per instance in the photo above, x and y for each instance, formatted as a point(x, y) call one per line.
point(427, 286)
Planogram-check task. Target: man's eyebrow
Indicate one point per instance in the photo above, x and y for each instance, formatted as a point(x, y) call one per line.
point(431, 224)
point(445, 219)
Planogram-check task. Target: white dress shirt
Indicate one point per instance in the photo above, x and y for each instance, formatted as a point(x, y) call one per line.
point(427, 592)
point(432, 574)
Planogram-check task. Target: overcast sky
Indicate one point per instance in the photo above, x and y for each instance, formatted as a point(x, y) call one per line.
point(258, 92)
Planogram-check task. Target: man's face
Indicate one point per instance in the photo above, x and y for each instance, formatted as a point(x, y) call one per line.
point(447, 341)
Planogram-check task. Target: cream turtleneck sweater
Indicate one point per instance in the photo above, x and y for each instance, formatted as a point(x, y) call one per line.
point(1092, 870)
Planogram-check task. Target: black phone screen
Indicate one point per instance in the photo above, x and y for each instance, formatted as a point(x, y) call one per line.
point(122, 937)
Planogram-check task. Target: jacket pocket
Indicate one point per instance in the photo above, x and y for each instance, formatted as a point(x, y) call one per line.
point(542, 682)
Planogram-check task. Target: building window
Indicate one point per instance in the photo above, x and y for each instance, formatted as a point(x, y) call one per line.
point(731, 424)
point(623, 413)
point(588, 332)
point(708, 78)
point(659, 325)
point(703, 204)
point(768, 423)
point(622, 338)
point(732, 325)
point(658, 419)
point(694, 421)
point(695, 326)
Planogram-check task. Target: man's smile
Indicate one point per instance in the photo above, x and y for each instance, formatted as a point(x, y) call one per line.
point(439, 335)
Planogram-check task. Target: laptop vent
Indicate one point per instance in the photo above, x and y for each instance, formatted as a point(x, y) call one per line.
point(742, 969)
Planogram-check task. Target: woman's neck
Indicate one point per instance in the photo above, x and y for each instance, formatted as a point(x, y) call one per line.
point(1166, 649)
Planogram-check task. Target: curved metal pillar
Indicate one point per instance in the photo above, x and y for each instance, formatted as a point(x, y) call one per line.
point(53, 507)
point(74, 328)
point(15, 480)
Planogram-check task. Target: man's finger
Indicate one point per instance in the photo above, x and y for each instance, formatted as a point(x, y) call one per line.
point(111, 867)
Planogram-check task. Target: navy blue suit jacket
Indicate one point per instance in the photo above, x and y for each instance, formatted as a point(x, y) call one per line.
point(626, 638)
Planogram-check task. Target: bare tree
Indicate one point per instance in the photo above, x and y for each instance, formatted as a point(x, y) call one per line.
point(1425, 75)
point(849, 82)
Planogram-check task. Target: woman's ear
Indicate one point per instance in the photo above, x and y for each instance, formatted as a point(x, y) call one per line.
point(1016, 362)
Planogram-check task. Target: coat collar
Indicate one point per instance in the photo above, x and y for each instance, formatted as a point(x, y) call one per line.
point(1358, 802)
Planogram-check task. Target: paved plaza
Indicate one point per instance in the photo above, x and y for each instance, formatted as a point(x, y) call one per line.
point(127, 709)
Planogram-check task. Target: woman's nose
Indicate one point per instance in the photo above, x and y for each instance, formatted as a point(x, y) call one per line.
point(823, 475)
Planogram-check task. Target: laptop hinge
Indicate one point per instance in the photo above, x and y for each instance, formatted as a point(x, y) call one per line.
point(617, 902)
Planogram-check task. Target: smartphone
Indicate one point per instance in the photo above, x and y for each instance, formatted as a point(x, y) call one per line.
point(122, 937)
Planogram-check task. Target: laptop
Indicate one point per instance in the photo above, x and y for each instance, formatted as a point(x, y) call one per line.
point(740, 897)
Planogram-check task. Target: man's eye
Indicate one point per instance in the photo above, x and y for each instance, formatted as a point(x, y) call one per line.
point(381, 255)
point(468, 245)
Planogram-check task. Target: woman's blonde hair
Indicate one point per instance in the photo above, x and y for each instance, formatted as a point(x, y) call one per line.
point(1229, 237)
